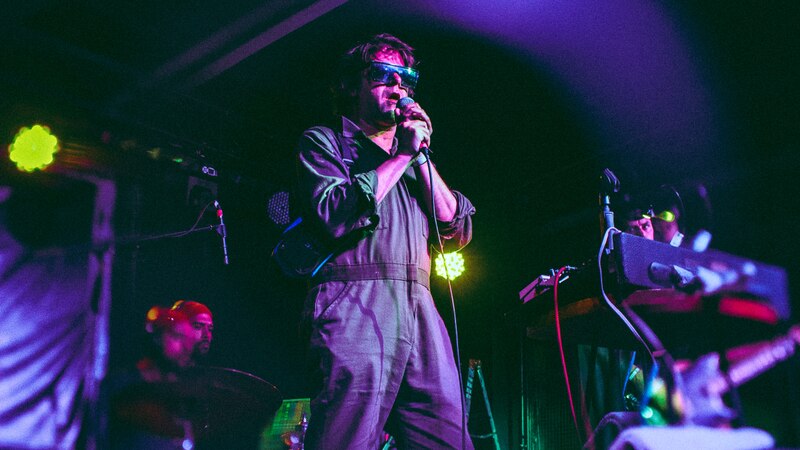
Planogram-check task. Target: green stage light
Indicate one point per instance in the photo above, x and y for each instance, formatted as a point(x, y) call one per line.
point(33, 148)
point(454, 263)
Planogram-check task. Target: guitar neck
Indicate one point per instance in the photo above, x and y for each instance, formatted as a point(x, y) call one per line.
point(754, 365)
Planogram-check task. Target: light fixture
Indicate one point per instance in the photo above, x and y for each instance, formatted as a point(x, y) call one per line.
point(453, 262)
point(33, 148)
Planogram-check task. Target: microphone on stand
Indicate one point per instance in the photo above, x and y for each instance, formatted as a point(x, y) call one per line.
point(609, 184)
point(222, 232)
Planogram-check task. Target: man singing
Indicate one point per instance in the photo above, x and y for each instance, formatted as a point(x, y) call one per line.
point(385, 354)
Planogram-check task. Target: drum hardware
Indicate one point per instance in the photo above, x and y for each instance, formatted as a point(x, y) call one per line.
point(201, 404)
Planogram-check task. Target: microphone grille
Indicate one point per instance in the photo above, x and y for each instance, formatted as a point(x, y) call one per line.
point(405, 101)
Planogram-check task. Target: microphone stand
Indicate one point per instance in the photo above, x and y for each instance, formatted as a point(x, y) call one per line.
point(155, 237)
point(609, 184)
point(176, 234)
point(221, 231)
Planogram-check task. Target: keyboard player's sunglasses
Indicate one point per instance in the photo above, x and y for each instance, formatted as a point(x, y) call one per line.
point(384, 73)
point(666, 215)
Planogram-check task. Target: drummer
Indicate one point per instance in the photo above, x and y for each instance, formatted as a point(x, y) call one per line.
point(138, 418)
point(181, 338)
point(202, 327)
point(170, 400)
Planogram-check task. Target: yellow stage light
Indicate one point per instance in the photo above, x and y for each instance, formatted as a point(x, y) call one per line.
point(454, 263)
point(33, 148)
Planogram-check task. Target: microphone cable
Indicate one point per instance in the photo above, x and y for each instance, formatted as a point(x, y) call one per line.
point(610, 304)
point(457, 349)
point(193, 228)
point(650, 342)
point(402, 103)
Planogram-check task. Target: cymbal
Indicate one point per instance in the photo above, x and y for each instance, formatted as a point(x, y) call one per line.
point(215, 400)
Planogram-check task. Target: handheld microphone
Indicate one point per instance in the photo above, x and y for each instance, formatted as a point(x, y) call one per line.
point(402, 104)
point(222, 232)
point(405, 101)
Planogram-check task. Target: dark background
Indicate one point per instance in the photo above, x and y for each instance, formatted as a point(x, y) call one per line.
point(529, 103)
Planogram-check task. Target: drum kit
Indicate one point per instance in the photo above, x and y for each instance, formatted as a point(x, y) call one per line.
point(202, 407)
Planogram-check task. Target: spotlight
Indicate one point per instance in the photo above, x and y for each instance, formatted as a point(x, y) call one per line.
point(454, 263)
point(33, 148)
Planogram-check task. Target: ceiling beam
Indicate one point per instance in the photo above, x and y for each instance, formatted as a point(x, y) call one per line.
point(296, 21)
point(218, 40)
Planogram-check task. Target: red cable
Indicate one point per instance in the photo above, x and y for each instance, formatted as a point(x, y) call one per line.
point(561, 351)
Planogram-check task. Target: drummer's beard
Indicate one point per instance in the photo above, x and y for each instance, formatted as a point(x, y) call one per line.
point(201, 348)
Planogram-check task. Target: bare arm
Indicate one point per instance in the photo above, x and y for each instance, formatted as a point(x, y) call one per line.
point(413, 134)
point(443, 197)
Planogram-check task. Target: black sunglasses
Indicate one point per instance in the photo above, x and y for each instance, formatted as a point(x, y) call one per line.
point(380, 72)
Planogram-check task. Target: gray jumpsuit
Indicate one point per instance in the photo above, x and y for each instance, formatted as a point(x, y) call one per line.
point(384, 351)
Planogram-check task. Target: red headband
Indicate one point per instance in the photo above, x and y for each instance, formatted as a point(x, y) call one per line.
point(191, 308)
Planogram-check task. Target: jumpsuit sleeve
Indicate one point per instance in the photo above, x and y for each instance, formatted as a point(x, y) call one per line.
point(329, 194)
point(458, 232)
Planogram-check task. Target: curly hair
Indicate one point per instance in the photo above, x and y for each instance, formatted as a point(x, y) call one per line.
point(348, 72)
